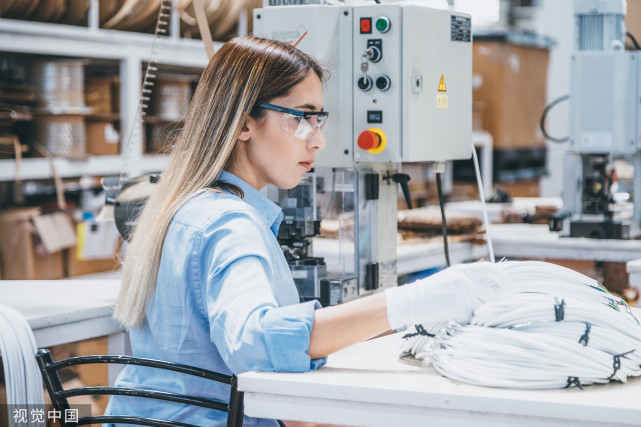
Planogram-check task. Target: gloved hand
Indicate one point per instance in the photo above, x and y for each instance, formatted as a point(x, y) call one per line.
point(450, 294)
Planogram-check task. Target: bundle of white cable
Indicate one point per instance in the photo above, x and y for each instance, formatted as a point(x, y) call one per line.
point(22, 376)
point(553, 328)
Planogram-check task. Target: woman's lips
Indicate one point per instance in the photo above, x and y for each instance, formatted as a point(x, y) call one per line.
point(306, 165)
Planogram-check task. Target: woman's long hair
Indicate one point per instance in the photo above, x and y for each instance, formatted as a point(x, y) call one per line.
point(245, 72)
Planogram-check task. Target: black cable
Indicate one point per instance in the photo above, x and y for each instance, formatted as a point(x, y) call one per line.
point(439, 187)
point(544, 115)
point(634, 41)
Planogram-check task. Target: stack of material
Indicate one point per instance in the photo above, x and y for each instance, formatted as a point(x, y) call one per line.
point(223, 17)
point(424, 224)
point(60, 122)
point(72, 12)
point(130, 15)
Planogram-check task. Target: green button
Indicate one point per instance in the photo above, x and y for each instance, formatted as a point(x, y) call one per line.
point(383, 24)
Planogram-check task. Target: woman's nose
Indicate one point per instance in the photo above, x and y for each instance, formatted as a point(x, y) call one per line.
point(318, 140)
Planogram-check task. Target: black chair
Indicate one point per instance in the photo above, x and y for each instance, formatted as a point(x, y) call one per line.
point(59, 396)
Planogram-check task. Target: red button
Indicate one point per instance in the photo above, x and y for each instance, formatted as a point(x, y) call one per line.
point(366, 25)
point(368, 140)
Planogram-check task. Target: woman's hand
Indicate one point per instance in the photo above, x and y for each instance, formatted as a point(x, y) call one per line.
point(450, 294)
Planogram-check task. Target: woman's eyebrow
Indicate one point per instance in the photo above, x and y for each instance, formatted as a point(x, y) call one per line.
point(309, 107)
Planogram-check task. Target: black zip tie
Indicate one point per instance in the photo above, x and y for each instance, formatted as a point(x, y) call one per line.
point(559, 311)
point(584, 338)
point(574, 381)
point(617, 362)
point(420, 330)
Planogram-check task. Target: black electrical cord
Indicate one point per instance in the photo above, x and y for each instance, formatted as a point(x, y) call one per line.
point(441, 202)
point(544, 115)
point(634, 41)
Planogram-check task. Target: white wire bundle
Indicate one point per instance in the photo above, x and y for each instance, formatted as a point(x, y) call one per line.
point(552, 328)
point(22, 376)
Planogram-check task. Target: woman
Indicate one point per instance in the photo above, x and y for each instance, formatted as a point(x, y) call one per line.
point(205, 282)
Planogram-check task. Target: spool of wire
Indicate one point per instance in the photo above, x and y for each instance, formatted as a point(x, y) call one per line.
point(59, 84)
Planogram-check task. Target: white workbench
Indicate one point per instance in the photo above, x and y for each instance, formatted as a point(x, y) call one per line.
point(537, 241)
point(367, 385)
point(62, 311)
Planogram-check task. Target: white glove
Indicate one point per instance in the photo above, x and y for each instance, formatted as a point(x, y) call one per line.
point(450, 294)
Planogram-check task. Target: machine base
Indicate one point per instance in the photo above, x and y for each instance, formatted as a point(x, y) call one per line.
point(601, 230)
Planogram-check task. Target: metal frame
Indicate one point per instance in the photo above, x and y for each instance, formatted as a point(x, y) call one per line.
point(59, 396)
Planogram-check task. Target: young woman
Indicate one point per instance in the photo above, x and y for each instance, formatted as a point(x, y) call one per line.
point(205, 282)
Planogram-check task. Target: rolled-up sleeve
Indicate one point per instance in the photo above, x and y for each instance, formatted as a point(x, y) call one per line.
point(249, 329)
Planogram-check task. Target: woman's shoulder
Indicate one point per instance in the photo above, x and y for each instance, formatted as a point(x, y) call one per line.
point(205, 208)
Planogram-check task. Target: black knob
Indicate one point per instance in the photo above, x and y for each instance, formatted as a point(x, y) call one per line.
point(365, 83)
point(403, 179)
point(383, 82)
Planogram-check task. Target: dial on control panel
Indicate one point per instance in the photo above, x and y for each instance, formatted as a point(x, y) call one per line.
point(365, 83)
point(383, 82)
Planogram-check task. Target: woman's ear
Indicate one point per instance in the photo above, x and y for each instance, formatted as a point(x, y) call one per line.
point(246, 131)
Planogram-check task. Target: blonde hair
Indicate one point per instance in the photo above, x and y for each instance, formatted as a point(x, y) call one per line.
point(245, 72)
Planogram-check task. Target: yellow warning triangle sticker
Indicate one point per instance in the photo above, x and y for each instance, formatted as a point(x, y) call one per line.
point(441, 85)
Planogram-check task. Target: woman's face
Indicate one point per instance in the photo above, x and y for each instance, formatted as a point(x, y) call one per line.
point(268, 154)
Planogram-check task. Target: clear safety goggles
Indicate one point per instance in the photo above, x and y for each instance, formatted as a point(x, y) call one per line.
point(301, 124)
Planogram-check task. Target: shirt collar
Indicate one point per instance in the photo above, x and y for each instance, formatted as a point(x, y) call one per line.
point(270, 211)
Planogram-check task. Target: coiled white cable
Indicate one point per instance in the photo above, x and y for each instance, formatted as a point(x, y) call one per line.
point(23, 380)
point(553, 328)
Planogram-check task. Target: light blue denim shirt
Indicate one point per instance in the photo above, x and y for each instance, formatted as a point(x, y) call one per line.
point(225, 301)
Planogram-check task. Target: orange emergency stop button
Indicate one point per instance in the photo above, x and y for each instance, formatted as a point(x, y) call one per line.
point(368, 140)
point(372, 140)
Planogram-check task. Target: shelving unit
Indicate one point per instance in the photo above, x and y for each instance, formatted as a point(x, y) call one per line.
point(131, 51)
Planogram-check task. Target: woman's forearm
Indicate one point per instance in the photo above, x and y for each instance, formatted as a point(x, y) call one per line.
point(342, 325)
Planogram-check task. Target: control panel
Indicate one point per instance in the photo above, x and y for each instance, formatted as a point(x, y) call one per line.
point(400, 86)
point(377, 83)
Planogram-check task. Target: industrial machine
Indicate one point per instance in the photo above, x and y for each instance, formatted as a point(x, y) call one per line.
point(604, 123)
point(400, 90)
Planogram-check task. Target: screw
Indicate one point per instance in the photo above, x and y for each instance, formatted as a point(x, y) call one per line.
point(345, 13)
point(346, 152)
point(258, 16)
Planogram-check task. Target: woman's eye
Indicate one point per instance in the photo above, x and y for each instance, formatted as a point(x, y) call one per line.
point(307, 117)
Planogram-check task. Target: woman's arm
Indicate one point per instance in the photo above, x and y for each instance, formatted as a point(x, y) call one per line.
point(451, 294)
point(342, 325)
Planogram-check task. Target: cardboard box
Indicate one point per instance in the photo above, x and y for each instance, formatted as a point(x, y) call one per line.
point(101, 94)
point(633, 19)
point(510, 83)
point(79, 267)
point(22, 249)
point(103, 137)
point(96, 251)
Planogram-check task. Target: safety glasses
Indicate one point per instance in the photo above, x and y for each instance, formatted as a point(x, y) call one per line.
point(301, 124)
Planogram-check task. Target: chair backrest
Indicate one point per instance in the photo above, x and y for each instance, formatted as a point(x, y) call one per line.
point(59, 396)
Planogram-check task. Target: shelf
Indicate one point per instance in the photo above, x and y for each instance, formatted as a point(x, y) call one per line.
point(128, 53)
point(41, 38)
point(39, 168)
